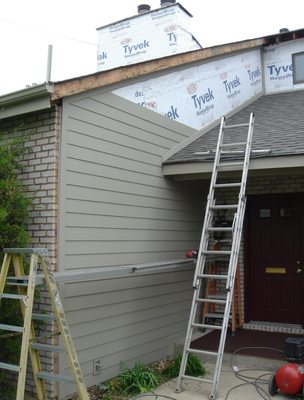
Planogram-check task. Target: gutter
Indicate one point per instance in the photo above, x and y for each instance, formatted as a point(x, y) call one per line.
point(27, 100)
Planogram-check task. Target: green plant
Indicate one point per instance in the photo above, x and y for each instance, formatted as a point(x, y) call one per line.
point(14, 208)
point(194, 366)
point(139, 379)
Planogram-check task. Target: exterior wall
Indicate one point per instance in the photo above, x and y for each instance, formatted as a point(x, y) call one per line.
point(40, 179)
point(201, 94)
point(117, 209)
point(278, 76)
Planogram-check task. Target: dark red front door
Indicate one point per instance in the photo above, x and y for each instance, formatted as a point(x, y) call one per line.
point(274, 261)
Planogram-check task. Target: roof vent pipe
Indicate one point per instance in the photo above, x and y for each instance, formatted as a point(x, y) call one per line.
point(284, 30)
point(165, 3)
point(143, 8)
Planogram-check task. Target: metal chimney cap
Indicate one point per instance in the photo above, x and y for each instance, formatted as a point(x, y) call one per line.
point(165, 3)
point(284, 30)
point(143, 8)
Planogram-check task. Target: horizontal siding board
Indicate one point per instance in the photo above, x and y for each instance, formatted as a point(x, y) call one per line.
point(76, 289)
point(104, 115)
point(93, 260)
point(126, 247)
point(117, 340)
point(116, 161)
point(123, 321)
point(139, 235)
point(98, 169)
point(129, 199)
point(136, 138)
point(102, 208)
point(119, 185)
point(110, 221)
point(108, 311)
point(118, 345)
point(98, 299)
point(93, 146)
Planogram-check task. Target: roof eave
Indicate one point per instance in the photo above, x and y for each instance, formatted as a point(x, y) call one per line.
point(256, 166)
point(27, 100)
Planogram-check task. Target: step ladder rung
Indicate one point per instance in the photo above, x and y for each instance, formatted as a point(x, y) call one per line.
point(12, 328)
point(17, 281)
point(212, 276)
point(13, 296)
point(47, 347)
point(53, 377)
point(9, 367)
point(245, 124)
point(206, 326)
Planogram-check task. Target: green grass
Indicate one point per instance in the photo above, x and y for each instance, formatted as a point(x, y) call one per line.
point(194, 367)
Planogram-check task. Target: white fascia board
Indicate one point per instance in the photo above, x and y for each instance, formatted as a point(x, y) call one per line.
point(257, 164)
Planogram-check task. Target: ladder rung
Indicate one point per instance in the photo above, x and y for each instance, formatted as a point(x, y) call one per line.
point(13, 296)
point(43, 317)
point(230, 164)
point(197, 351)
point(52, 377)
point(223, 206)
point(12, 328)
point(195, 378)
point(212, 301)
point(217, 252)
point(233, 144)
point(236, 125)
point(207, 326)
point(220, 229)
point(10, 367)
point(212, 276)
point(47, 347)
point(17, 281)
point(227, 185)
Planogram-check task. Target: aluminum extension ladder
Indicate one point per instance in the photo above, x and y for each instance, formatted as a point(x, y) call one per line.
point(229, 255)
point(24, 292)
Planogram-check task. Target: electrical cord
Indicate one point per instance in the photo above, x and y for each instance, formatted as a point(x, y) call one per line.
point(250, 380)
point(152, 394)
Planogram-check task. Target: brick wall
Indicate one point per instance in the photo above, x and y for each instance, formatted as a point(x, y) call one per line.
point(40, 178)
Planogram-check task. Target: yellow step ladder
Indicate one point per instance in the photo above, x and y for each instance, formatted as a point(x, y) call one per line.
point(25, 285)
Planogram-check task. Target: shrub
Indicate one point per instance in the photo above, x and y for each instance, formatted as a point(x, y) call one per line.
point(194, 367)
point(139, 379)
point(14, 206)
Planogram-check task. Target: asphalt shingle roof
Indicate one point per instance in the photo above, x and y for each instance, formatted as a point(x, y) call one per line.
point(279, 126)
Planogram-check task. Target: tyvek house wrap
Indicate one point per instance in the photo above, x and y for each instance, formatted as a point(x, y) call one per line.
point(148, 36)
point(200, 95)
